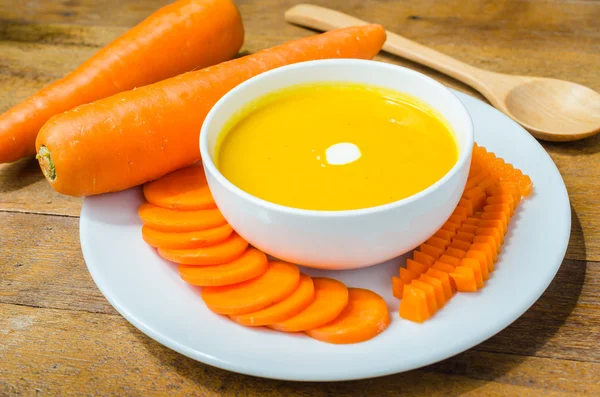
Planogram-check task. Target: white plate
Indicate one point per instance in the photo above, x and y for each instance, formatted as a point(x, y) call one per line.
point(148, 292)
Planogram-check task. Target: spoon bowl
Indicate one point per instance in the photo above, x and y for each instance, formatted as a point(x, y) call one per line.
point(550, 109)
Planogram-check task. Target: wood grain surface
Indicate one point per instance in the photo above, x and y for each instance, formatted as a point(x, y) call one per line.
point(59, 335)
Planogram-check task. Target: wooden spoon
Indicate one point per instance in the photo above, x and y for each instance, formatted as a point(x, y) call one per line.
point(553, 110)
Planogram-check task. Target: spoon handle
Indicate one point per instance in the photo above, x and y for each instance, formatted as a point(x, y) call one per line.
point(323, 19)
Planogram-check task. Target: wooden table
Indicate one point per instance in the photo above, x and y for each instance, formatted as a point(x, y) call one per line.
point(59, 335)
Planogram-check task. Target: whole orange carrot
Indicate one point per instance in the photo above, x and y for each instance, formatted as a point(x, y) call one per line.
point(180, 37)
point(137, 136)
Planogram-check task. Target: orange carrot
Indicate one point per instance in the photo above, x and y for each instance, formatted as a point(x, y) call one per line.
point(277, 283)
point(437, 288)
point(175, 39)
point(432, 304)
point(397, 287)
point(154, 129)
point(184, 189)
point(249, 265)
point(481, 258)
point(438, 242)
point(414, 305)
point(449, 260)
point(423, 258)
point(455, 252)
point(461, 245)
point(447, 285)
point(444, 234)
point(217, 254)
point(415, 266)
point(407, 275)
point(166, 220)
point(283, 310)
point(430, 250)
point(364, 317)
point(476, 267)
point(443, 266)
point(186, 240)
point(464, 279)
point(471, 221)
point(331, 297)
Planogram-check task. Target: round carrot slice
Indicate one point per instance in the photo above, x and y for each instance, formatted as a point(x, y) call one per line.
point(186, 240)
point(287, 308)
point(365, 317)
point(217, 254)
point(166, 220)
point(184, 189)
point(251, 264)
point(331, 297)
point(277, 283)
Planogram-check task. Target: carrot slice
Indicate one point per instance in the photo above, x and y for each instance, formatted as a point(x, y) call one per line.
point(331, 297)
point(498, 208)
point(444, 267)
point(430, 250)
point(447, 285)
point(460, 212)
point(166, 220)
point(414, 305)
point(495, 223)
point(483, 262)
point(397, 287)
point(432, 305)
point(438, 242)
point(444, 234)
point(468, 237)
point(449, 226)
point(281, 311)
point(501, 216)
point(415, 266)
point(496, 235)
point(423, 258)
point(217, 254)
point(184, 189)
point(464, 279)
point(364, 317)
point(407, 275)
point(476, 179)
point(494, 245)
point(186, 240)
point(251, 264)
point(461, 245)
point(437, 289)
point(489, 251)
point(456, 219)
point(277, 283)
point(449, 260)
point(476, 267)
point(455, 252)
point(471, 221)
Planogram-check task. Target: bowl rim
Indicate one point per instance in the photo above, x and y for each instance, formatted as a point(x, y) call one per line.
point(210, 167)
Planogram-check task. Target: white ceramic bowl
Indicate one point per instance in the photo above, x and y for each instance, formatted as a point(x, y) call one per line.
point(340, 239)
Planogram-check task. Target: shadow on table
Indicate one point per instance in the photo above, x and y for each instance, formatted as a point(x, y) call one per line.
point(457, 375)
point(20, 174)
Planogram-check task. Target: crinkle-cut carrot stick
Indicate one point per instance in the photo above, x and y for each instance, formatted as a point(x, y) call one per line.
point(443, 266)
point(407, 275)
point(413, 306)
point(495, 223)
point(444, 234)
point(430, 250)
point(449, 226)
point(456, 219)
point(249, 265)
point(274, 285)
point(475, 180)
point(218, 254)
point(449, 260)
point(166, 220)
point(480, 257)
point(397, 287)
point(477, 271)
point(184, 189)
point(467, 205)
point(432, 305)
point(447, 286)
point(502, 189)
point(186, 240)
point(466, 228)
point(491, 241)
point(364, 317)
point(460, 212)
point(438, 242)
point(498, 208)
point(423, 258)
point(502, 199)
point(493, 232)
point(331, 297)
point(464, 282)
point(437, 289)
point(82, 154)
point(487, 250)
point(455, 252)
point(415, 266)
point(282, 310)
point(501, 216)
point(471, 221)
point(177, 38)
point(461, 245)
point(468, 237)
